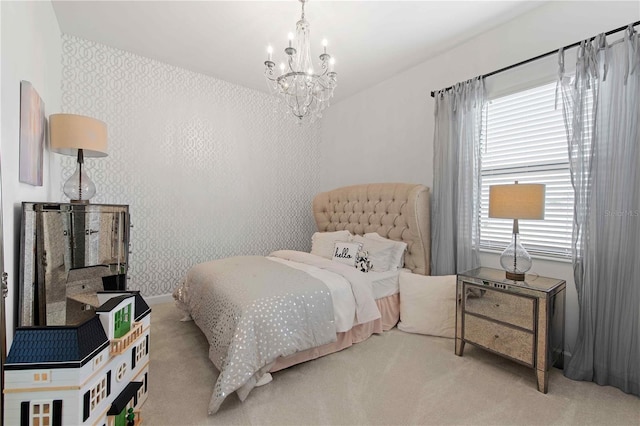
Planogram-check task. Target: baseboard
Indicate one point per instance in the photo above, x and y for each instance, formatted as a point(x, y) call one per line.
point(156, 300)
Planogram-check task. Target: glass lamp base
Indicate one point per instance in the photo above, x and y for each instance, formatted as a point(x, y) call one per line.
point(515, 260)
point(79, 188)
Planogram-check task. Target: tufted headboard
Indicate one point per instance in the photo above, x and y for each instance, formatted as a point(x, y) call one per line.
point(398, 211)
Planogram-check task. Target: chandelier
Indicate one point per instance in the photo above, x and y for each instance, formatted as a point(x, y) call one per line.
point(305, 90)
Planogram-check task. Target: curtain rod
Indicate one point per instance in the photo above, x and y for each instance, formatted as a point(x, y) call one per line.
point(526, 61)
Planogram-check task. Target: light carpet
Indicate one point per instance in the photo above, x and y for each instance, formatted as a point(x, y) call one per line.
point(391, 379)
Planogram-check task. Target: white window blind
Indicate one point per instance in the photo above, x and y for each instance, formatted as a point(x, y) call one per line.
point(525, 141)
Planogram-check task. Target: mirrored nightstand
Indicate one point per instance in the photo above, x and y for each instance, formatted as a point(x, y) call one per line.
point(520, 320)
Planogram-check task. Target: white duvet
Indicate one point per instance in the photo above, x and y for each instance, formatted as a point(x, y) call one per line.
point(351, 290)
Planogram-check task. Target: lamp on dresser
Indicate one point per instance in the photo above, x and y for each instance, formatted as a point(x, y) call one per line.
point(80, 136)
point(516, 201)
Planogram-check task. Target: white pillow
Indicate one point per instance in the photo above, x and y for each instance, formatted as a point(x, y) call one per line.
point(322, 243)
point(428, 304)
point(399, 247)
point(346, 252)
point(379, 253)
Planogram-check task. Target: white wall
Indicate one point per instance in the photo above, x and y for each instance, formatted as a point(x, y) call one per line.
point(209, 169)
point(385, 133)
point(31, 50)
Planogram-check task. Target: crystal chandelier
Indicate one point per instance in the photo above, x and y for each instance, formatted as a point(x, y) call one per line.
point(304, 90)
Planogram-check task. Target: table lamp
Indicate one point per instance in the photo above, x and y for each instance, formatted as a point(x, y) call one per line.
point(516, 201)
point(72, 134)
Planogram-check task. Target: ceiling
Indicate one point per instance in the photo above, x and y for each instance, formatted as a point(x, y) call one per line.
point(370, 40)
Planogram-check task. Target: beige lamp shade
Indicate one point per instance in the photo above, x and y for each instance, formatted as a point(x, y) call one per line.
point(70, 132)
point(517, 201)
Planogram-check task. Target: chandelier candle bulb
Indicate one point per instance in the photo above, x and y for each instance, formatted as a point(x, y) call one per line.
point(269, 53)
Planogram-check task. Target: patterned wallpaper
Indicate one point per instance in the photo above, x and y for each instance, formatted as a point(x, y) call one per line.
point(210, 169)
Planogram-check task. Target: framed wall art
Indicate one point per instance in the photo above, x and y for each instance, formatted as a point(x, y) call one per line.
point(33, 127)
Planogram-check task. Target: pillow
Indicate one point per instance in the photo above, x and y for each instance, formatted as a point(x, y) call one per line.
point(322, 243)
point(380, 253)
point(428, 304)
point(346, 252)
point(363, 263)
point(399, 247)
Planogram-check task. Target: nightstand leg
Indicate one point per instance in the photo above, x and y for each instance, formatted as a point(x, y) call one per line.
point(459, 347)
point(543, 380)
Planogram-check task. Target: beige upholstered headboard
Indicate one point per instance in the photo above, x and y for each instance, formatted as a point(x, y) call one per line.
point(398, 211)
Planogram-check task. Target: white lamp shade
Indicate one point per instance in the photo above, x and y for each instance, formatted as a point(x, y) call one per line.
point(70, 132)
point(517, 201)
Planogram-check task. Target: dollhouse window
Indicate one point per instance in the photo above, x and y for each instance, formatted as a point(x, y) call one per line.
point(121, 371)
point(97, 361)
point(43, 376)
point(141, 350)
point(41, 413)
point(98, 393)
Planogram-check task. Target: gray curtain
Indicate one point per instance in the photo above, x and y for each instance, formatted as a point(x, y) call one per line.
point(604, 155)
point(455, 217)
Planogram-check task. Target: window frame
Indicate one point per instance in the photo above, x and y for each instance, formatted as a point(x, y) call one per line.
point(38, 419)
point(491, 244)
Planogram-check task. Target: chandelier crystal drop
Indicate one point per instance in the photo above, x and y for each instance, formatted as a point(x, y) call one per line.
point(305, 90)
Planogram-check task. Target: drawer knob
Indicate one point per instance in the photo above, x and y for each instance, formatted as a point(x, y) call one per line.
point(496, 336)
point(497, 305)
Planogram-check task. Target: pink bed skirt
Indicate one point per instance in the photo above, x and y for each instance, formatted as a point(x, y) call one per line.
point(390, 310)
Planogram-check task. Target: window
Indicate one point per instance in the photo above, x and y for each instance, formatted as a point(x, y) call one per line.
point(141, 395)
point(525, 140)
point(141, 350)
point(43, 376)
point(122, 370)
point(97, 361)
point(98, 393)
point(41, 413)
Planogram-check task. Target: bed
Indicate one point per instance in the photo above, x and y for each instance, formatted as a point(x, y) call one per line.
point(262, 314)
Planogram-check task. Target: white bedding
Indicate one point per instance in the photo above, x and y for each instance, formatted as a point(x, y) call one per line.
point(344, 305)
point(379, 284)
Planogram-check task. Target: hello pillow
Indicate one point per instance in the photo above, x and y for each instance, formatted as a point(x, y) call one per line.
point(322, 243)
point(428, 304)
point(346, 252)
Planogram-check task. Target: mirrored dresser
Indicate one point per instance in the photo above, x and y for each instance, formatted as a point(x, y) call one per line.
point(520, 320)
point(69, 252)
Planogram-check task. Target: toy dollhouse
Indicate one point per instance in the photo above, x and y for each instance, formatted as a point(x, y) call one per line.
point(94, 373)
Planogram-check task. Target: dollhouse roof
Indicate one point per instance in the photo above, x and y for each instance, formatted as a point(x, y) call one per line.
point(141, 308)
point(110, 304)
point(57, 346)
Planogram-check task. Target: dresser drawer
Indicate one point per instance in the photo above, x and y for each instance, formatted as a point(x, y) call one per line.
point(517, 344)
point(505, 307)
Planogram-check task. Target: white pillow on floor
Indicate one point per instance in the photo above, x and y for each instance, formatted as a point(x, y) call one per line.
point(428, 304)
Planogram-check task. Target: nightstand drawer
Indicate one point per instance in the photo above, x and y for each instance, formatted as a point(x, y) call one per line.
point(505, 307)
point(516, 344)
